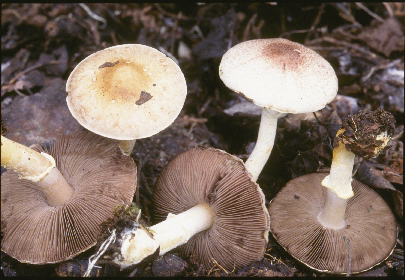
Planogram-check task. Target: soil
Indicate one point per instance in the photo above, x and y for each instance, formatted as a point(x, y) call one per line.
point(42, 43)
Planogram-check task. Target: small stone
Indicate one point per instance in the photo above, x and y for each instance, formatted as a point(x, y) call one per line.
point(168, 266)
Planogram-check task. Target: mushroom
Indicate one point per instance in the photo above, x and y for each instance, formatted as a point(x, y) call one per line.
point(206, 201)
point(54, 200)
point(333, 223)
point(126, 92)
point(280, 76)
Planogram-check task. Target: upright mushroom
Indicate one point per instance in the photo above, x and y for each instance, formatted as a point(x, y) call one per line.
point(53, 201)
point(280, 76)
point(207, 201)
point(126, 92)
point(333, 223)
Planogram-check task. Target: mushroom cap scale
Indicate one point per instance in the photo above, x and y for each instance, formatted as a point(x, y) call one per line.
point(102, 178)
point(239, 234)
point(126, 92)
point(284, 76)
point(370, 227)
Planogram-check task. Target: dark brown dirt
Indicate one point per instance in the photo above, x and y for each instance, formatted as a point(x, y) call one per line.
point(42, 43)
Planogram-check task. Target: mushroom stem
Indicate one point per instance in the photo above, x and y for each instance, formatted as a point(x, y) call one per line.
point(127, 146)
point(333, 212)
point(39, 168)
point(338, 187)
point(29, 164)
point(176, 230)
point(57, 191)
point(340, 178)
point(264, 144)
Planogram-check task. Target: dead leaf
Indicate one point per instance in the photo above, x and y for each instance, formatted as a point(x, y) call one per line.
point(386, 38)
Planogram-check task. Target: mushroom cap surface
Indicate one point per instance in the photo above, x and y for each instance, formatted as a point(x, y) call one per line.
point(276, 73)
point(126, 92)
point(239, 234)
point(102, 178)
point(370, 228)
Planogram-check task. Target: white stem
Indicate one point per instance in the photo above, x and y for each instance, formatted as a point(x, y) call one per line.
point(333, 212)
point(264, 144)
point(127, 146)
point(340, 178)
point(176, 230)
point(28, 163)
point(338, 187)
point(39, 168)
point(57, 191)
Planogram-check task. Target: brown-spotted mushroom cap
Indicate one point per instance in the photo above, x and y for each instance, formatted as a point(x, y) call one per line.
point(279, 74)
point(102, 178)
point(239, 233)
point(368, 238)
point(126, 92)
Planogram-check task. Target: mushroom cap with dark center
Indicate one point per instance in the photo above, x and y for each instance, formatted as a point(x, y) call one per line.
point(102, 178)
point(369, 235)
point(279, 74)
point(126, 92)
point(239, 234)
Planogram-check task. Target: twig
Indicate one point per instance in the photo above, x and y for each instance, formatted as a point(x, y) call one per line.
point(174, 30)
point(94, 16)
point(193, 122)
point(316, 22)
point(389, 9)
point(197, 29)
point(346, 13)
point(93, 258)
point(364, 8)
point(132, 274)
point(29, 69)
point(275, 259)
point(140, 176)
point(220, 266)
point(18, 92)
point(250, 23)
point(345, 44)
point(179, 16)
point(230, 38)
point(169, 55)
point(114, 38)
point(379, 67)
point(204, 107)
point(294, 32)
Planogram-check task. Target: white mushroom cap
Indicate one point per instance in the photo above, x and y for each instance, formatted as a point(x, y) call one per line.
point(279, 74)
point(126, 92)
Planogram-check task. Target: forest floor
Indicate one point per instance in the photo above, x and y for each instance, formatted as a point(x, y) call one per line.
point(42, 43)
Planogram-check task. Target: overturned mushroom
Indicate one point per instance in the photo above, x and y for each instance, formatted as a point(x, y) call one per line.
point(331, 222)
point(126, 92)
point(280, 76)
point(53, 201)
point(207, 202)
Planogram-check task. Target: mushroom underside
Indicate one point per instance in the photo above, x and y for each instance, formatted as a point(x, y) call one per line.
point(239, 234)
point(368, 238)
point(102, 178)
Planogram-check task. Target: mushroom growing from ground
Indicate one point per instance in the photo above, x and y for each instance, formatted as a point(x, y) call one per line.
point(334, 223)
point(207, 202)
point(126, 92)
point(54, 200)
point(280, 76)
